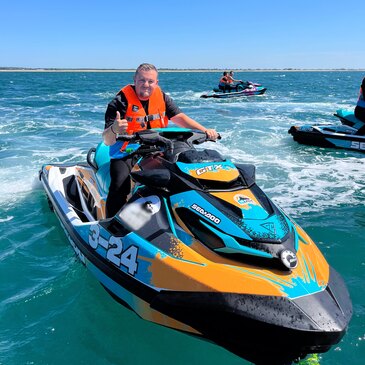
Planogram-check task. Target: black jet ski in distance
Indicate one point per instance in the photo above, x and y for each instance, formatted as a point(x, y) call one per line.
point(348, 135)
point(200, 248)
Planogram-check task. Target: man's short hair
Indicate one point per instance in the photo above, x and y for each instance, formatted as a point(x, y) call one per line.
point(145, 67)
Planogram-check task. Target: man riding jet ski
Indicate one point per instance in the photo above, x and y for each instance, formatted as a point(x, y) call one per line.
point(229, 87)
point(200, 248)
point(139, 106)
point(238, 91)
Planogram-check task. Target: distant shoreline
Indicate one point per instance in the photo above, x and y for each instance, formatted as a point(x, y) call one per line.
point(15, 69)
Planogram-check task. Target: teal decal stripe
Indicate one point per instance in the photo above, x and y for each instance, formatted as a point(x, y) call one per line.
point(307, 264)
point(294, 288)
point(339, 143)
point(190, 198)
point(171, 222)
point(279, 282)
point(296, 240)
point(301, 238)
point(184, 237)
point(138, 187)
point(232, 246)
point(306, 275)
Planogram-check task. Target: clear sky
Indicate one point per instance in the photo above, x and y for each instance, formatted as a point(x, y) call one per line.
point(182, 33)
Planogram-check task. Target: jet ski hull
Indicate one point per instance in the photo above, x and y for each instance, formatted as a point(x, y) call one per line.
point(328, 136)
point(264, 330)
point(251, 305)
point(236, 94)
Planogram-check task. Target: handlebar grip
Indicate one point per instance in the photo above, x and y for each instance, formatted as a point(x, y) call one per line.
point(213, 140)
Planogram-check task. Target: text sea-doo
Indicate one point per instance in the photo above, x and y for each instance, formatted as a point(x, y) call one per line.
point(347, 135)
point(200, 248)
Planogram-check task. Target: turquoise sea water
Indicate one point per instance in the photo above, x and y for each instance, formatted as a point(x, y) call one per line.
point(53, 311)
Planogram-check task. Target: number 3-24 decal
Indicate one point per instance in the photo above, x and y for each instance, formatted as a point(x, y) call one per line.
point(114, 250)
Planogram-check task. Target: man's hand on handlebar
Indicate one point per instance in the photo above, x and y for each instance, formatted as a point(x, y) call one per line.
point(212, 134)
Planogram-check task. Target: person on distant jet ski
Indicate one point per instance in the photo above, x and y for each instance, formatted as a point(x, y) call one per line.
point(243, 84)
point(224, 83)
point(137, 107)
point(231, 80)
point(360, 108)
point(227, 82)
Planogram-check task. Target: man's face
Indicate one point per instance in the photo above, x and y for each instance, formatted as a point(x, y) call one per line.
point(145, 82)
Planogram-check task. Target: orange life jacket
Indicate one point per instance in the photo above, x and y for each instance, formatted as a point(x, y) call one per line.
point(230, 79)
point(136, 116)
point(223, 80)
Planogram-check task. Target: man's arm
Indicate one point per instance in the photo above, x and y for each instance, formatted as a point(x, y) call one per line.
point(182, 120)
point(113, 123)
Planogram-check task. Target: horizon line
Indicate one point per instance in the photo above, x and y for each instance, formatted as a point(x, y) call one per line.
point(172, 69)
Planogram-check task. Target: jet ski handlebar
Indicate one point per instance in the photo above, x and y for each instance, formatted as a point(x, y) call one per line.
point(201, 137)
point(155, 138)
point(150, 138)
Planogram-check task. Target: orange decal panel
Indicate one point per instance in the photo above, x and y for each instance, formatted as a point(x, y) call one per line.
point(240, 198)
point(309, 252)
point(197, 268)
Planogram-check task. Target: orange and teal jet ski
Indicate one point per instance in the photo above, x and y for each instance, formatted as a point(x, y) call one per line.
point(200, 248)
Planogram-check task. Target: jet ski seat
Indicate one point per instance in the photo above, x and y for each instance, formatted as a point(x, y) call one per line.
point(195, 156)
point(101, 154)
point(102, 162)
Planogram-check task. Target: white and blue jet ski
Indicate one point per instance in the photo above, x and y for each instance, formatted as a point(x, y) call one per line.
point(348, 135)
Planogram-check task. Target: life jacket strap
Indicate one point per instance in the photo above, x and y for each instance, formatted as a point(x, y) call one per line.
point(147, 118)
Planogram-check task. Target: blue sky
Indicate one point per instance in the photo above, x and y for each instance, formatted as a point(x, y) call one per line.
point(183, 34)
